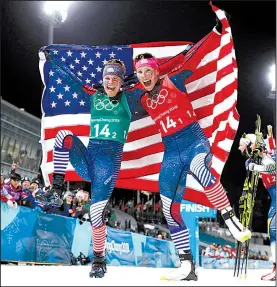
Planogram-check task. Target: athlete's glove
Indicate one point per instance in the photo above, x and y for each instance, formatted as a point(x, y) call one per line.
point(251, 166)
point(247, 163)
point(89, 90)
point(12, 204)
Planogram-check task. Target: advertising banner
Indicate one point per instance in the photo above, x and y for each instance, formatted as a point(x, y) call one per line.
point(32, 236)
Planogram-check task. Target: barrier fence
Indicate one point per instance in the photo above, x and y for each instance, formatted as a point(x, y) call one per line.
point(28, 235)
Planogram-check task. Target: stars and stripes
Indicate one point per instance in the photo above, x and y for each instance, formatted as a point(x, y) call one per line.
point(212, 90)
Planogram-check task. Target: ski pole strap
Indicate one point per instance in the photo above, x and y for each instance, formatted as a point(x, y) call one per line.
point(228, 215)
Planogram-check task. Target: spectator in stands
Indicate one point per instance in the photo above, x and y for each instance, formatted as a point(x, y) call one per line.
point(78, 204)
point(2, 180)
point(218, 251)
point(67, 207)
point(227, 251)
point(210, 250)
point(25, 182)
point(37, 192)
point(117, 224)
point(111, 218)
point(27, 197)
point(11, 191)
point(87, 201)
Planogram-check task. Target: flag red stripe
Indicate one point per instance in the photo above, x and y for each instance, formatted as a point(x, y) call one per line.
point(209, 89)
point(80, 130)
point(208, 110)
point(199, 93)
point(216, 122)
point(220, 153)
point(202, 71)
point(139, 153)
point(49, 156)
point(138, 172)
point(142, 133)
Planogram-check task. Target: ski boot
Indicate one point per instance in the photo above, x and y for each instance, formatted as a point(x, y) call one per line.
point(98, 267)
point(186, 272)
point(57, 189)
point(73, 260)
point(239, 232)
point(270, 276)
point(84, 260)
point(53, 196)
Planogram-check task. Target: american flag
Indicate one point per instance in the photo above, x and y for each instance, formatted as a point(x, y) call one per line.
point(212, 89)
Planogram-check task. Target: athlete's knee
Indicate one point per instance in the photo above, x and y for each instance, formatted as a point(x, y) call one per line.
point(64, 139)
point(97, 212)
point(171, 212)
point(176, 213)
point(200, 167)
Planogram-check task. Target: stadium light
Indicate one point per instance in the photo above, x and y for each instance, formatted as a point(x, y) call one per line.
point(53, 7)
point(271, 77)
point(57, 14)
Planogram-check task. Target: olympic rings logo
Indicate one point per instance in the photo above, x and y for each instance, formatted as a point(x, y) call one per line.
point(157, 99)
point(106, 104)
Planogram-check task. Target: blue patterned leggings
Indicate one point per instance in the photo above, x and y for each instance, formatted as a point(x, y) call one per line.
point(186, 152)
point(98, 163)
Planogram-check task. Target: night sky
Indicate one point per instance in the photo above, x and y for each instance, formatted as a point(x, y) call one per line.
point(253, 23)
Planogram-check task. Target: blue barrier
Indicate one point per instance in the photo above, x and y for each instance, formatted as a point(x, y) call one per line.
point(32, 236)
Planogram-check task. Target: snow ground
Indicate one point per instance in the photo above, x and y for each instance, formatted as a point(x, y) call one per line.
point(38, 275)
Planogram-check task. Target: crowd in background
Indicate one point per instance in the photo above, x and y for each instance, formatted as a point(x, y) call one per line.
point(17, 190)
point(226, 251)
point(23, 191)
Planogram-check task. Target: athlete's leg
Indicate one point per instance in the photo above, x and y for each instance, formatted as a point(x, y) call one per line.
point(106, 166)
point(66, 149)
point(172, 182)
point(200, 167)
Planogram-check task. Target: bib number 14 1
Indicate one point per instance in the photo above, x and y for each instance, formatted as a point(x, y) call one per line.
point(169, 123)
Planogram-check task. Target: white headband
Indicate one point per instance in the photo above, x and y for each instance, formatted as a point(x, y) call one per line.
point(250, 138)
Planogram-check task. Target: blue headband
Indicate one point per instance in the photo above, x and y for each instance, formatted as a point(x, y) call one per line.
point(114, 69)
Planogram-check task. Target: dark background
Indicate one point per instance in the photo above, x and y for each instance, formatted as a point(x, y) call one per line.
point(253, 23)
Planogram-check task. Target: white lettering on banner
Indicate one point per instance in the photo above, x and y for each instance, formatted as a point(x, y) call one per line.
point(105, 120)
point(165, 112)
point(122, 247)
point(194, 208)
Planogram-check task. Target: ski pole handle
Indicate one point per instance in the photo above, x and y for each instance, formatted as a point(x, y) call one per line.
point(269, 130)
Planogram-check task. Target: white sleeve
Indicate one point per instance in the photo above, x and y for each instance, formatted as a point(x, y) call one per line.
point(268, 165)
point(259, 168)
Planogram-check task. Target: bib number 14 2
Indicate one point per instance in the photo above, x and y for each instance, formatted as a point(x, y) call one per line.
point(105, 131)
